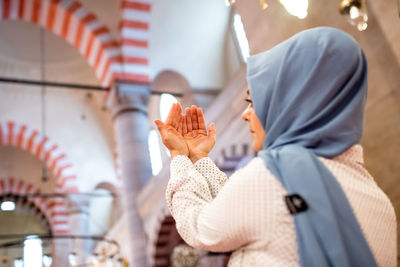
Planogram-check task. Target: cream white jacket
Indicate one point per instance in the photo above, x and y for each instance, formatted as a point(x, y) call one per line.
point(247, 214)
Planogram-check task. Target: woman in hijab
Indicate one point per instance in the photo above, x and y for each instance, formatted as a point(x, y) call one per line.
point(306, 200)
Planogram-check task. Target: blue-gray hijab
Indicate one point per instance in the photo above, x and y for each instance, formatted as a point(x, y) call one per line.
point(309, 94)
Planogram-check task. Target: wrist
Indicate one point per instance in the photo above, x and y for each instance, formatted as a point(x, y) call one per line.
point(175, 153)
point(198, 156)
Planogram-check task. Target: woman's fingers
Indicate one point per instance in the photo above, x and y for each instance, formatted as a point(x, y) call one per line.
point(180, 127)
point(188, 115)
point(184, 125)
point(179, 108)
point(170, 116)
point(211, 131)
point(201, 120)
point(195, 123)
point(160, 126)
point(175, 119)
point(174, 116)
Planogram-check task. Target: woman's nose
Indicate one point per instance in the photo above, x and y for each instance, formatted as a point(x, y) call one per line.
point(245, 114)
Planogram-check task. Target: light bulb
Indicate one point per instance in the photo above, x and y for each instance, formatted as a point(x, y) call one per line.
point(356, 13)
point(18, 262)
point(47, 260)
point(109, 262)
point(296, 8)
point(263, 4)
point(229, 2)
point(119, 262)
point(7, 206)
point(93, 259)
point(72, 258)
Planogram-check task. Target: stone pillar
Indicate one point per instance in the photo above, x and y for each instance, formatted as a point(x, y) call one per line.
point(79, 218)
point(60, 250)
point(128, 104)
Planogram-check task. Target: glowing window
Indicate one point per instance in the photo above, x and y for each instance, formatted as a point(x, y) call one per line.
point(166, 102)
point(155, 153)
point(241, 37)
point(32, 252)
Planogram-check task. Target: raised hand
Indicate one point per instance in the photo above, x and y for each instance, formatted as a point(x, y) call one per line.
point(171, 131)
point(195, 134)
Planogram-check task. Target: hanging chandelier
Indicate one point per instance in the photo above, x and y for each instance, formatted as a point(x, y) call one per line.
point(356, 13)
point(296, 8)
point(354, 10)
point(106, 251)
point(107, 254)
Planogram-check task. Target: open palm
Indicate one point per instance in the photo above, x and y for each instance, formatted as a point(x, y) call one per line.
point(171, 132)
point(195, 134)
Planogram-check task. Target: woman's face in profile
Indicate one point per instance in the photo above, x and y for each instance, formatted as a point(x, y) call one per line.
point(255, 127)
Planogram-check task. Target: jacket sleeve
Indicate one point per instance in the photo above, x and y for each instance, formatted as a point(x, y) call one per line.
point(213, 175)
point(204, 220)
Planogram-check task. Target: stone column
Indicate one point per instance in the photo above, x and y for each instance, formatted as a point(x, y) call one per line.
point(128, 104)
point(78, 210)
point(79, 218)
point(60, 250)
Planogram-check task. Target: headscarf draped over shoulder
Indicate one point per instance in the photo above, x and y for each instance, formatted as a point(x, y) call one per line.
point(309, 94)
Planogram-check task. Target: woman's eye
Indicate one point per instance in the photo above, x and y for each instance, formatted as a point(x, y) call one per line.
point(249, 101)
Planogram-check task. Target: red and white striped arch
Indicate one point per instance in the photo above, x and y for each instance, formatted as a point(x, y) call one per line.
point(77, 25)
point(31, 140)
point(134, 26)
point(53, 208)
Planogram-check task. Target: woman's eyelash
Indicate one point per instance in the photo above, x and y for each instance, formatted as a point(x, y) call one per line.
point(248, 100)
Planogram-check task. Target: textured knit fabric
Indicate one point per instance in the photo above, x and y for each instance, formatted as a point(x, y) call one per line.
point(246, 214)
point(309, 94)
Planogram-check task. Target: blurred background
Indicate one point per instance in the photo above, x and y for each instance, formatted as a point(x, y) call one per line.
point(82, 171)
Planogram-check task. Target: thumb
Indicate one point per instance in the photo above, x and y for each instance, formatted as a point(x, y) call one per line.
point(160, 125)
point(211, 130)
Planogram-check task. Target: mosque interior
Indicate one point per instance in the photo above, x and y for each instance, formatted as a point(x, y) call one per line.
point(83, 171)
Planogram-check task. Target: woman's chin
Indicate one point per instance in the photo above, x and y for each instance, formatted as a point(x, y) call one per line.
point(256, 146)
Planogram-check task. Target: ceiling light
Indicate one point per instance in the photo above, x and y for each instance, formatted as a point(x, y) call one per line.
point(263, 4)
point(33, 254)
point(72, 259)
point(121, 262)
point(93, 259)
point(109, 262)
point(356, 13)
point(296, 8)
point(18, 262)
point(7, 206)
point(47, 260)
